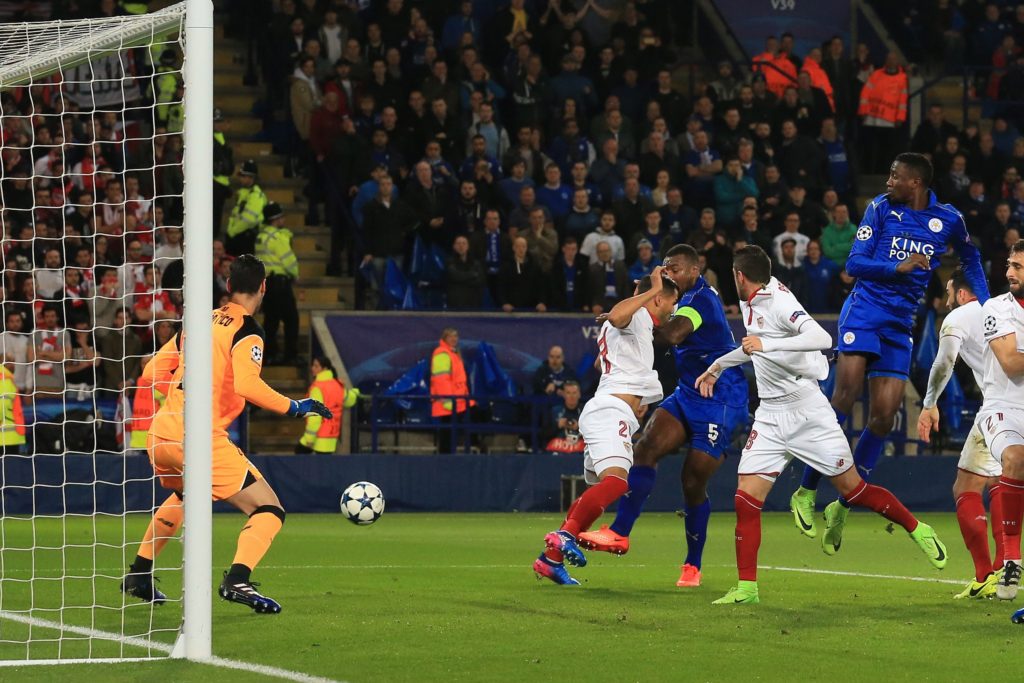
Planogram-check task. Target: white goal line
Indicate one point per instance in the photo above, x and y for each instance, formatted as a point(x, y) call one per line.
point(135, 641)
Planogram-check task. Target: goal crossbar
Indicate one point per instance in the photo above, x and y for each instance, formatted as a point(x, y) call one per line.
point(34, 50)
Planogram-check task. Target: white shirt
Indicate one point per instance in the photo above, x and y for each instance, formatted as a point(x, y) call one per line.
point(773, 314)
point(960, 335)
point(48, 281)
point(590, 242)
point(626, 358)
point(801, 245)
point(1002, 316)
point(965, 323)
point(14, 348)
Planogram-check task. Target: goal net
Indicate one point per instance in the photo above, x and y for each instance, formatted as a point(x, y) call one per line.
point(92, 188)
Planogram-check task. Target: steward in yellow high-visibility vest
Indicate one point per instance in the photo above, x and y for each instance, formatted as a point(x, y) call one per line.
point(164, 86)
point(223, 166)
point(247, 215)
point(12, 417)
point(321, 435)
point(274, 248)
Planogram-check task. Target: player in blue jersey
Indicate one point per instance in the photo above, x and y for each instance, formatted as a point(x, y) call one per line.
point(699, 332)
point(900, 238)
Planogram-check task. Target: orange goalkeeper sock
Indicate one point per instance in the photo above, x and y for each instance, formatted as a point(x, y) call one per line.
point(255, 540)
point(162, 528)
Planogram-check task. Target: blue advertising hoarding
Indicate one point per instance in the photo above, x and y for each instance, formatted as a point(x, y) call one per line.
point(811, 23)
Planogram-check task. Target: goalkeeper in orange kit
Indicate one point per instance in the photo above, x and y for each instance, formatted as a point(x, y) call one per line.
point(237, 361)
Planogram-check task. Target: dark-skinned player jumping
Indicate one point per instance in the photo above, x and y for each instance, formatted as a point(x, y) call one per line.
point(900, 238)
point(699, 333)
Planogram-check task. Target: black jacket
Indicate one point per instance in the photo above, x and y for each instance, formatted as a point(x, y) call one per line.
point(465, 283)
point(558, 297)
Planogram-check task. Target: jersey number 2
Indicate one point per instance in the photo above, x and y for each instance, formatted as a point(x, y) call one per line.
point(623, 429)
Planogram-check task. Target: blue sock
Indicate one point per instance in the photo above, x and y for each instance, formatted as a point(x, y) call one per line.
point(697, 517)
point(641, 483)
point(866, 455)
point(812, 476)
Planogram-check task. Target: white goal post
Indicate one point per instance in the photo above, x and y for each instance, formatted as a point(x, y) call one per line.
point(82, 66)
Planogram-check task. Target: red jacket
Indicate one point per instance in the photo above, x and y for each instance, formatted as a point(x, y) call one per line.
point(779, 72)
point(819, 79)
point(884, 96)
point(324, 128)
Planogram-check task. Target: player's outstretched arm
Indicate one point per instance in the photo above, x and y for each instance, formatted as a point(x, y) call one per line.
point(970, 262)
point(942, 368)
point(810, 337)
point(246, 362)
point(622, 312)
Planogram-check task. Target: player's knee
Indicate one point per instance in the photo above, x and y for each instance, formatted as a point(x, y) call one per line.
point(881, 423)
point(275, 510)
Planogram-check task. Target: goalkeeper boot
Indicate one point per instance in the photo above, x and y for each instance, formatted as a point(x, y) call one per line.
point(1009, 581)
point(930, 544)
point(553, 571)
point(140, 585)
point(835, 522)
point(977, 590)
point(245, 593)
point(801, 504)
point(605, 540)
point(743, 593)
point(565, 543)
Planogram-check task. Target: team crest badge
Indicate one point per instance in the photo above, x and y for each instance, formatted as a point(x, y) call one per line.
point(849, 338)
point(935, 225)
point(760, 321)
point(864, 233)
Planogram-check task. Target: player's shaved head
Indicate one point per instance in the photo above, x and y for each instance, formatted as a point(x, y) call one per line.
point(753, 263)
point(247, 275)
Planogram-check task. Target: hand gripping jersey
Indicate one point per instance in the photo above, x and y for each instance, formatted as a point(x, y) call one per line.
point(711, 337)
point(626, 358)
point(774, 313)
point(888, 234)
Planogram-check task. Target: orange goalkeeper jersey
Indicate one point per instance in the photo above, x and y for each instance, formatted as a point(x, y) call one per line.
point(237, 361)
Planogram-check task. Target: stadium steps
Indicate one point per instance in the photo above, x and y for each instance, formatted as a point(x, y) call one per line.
point(314, 290)
point(949, 92)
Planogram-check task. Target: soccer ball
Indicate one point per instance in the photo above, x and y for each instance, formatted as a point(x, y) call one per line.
point(362, 503)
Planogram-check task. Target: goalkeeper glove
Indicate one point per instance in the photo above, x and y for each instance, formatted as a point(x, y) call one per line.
point(308, 406)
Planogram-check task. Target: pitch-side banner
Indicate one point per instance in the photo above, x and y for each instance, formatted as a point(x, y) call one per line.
point(108, 82)
point(810, 21)
point(381, 347)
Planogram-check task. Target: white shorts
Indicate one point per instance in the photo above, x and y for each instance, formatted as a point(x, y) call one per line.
point(607, 425)
point(1001, 427)
point(806, 429)
point(975, 457)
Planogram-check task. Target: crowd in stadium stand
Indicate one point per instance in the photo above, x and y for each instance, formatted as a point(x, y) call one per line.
point(541, 156)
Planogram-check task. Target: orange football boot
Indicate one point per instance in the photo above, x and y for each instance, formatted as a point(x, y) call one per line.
point(689, 577)
point(604, 540)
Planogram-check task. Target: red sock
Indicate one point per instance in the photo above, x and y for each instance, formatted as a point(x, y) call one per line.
point(970, 512)
point(748, 534)
point(1012, 495)
point(592, 503)
point(883, 502)
point(995, 507)
point(554, 554)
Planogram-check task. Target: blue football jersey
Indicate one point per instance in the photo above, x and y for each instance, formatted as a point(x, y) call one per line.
point(888, 234)
point(711, 337)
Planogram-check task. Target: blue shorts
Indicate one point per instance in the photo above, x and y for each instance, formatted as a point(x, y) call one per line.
point(887, 341)
point(710, 423)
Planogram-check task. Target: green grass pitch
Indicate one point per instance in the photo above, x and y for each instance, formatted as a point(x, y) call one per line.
point(432, 597)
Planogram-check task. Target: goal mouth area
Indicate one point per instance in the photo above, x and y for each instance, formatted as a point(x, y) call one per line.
point(35, 50)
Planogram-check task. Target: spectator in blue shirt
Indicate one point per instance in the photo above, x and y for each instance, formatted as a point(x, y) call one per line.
point(554, 194)
point(702, 164)
point(512, 186)
point(580, 181)
point(478, 152)
point(731, 188)
point(678, 219)
point(570, 147)
point(582, 219)
point(820, 272)
point(570, 83)
point(552, 375)
point(645, 261)
point(459, 24)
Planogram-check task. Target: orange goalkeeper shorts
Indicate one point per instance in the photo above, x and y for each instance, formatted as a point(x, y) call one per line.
point(230, 466)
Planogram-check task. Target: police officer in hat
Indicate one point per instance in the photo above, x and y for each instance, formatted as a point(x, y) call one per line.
point(274, 248)
point(223, 166)
point(247, 214)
